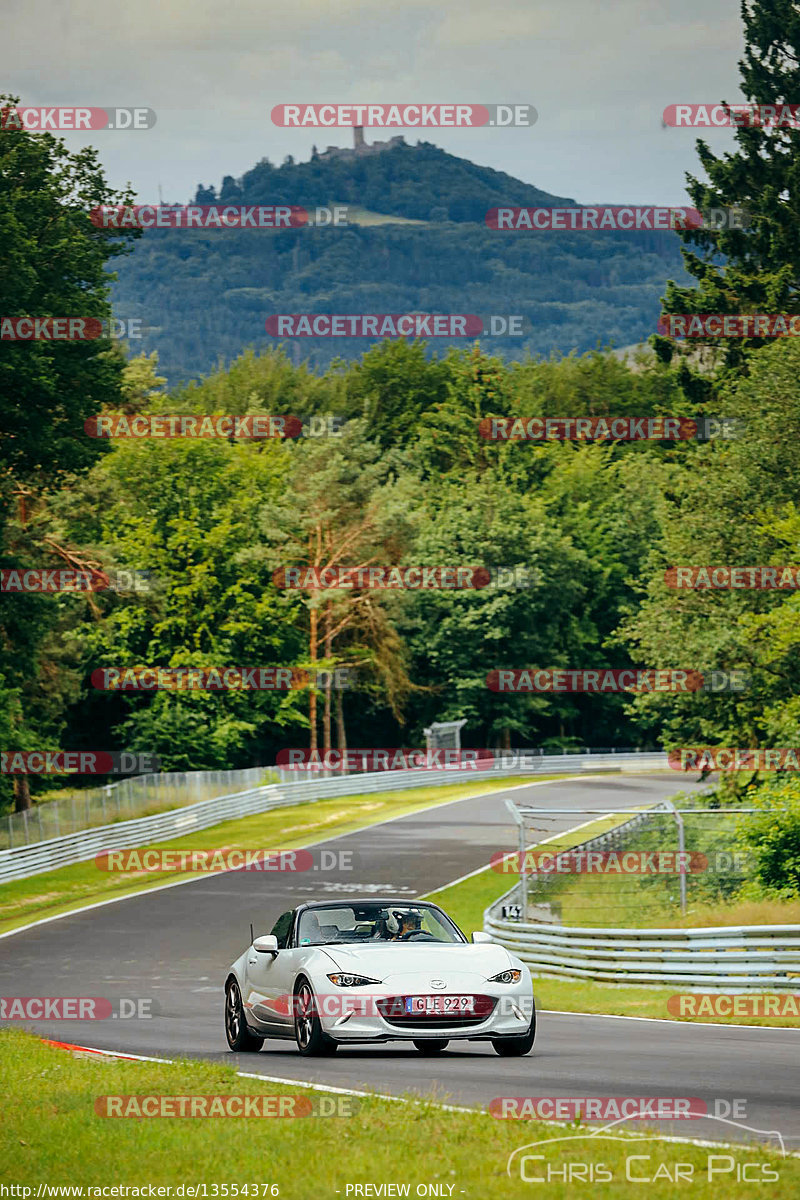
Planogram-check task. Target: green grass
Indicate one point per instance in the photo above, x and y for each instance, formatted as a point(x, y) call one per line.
point(55, 892)
point(630, 901)
point(50, 1133)
point(467, 901)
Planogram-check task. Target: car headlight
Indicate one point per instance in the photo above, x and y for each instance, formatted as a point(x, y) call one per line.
point(510, 976)
point(351, 980)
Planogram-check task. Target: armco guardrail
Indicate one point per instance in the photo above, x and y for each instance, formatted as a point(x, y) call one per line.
point(736, 956)
point(22, 861)
point(135, 796)
point(757, 956)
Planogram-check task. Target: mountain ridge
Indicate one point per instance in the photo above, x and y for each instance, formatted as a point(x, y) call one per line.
point(204, 295)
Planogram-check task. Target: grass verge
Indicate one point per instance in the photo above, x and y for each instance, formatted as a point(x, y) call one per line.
point(60, 891)
point(631, 902)
point(51, 1134)
point(466, 902)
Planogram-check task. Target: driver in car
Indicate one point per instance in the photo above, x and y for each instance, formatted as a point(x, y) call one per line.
point(406, 923)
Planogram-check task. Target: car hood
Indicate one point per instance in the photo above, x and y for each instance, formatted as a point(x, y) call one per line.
point(381, 962)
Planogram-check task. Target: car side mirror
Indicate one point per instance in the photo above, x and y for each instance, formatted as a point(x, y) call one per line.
point(479, 936)
point(266, 944)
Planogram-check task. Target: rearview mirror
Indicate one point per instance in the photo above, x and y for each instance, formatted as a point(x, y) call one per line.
point(266, 944)
point(480, 936)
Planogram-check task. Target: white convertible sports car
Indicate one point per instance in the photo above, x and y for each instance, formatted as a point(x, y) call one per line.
point(338, 972)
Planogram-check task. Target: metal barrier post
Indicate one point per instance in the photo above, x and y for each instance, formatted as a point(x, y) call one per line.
point(523, 879)
point(681, 851)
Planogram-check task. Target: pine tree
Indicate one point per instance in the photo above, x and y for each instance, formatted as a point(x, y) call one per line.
point(755, 269)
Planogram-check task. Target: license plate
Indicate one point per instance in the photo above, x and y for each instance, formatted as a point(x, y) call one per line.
point(440, 1004)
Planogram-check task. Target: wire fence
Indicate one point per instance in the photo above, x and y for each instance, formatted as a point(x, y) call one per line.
point(614, 921)
point(136, 796)
point(633, 874)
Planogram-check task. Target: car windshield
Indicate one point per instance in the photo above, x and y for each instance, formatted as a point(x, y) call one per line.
point(375, 923)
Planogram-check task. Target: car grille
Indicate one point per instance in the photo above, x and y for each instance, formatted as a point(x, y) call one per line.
point(392, 1009)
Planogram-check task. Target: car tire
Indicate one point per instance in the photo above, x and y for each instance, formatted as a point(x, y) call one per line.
point(308, 1033)
point(239, 1036)
point(515, 1047)
point(432, 1046)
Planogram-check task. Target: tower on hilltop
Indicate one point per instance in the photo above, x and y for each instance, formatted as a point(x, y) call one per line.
point(358, 138)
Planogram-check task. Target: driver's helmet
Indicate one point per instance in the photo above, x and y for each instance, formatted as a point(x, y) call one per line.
point(403, 922)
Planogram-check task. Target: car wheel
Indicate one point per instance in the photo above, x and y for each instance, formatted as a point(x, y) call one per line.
point(239, 1036)
point(307, 1027)
point(432, 1046)
point(514, 1047)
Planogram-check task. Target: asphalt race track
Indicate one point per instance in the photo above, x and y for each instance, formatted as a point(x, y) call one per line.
point(174, 945)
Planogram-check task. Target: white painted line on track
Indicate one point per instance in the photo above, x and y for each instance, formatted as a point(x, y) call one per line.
point(553, 837)
point(321, 1087)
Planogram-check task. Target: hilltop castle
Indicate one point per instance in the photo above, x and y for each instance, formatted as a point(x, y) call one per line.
point(360, 147)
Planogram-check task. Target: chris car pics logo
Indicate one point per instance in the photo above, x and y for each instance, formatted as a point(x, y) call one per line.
point(610, 1155)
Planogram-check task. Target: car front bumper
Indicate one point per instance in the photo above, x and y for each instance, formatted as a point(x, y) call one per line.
point(359, 1018)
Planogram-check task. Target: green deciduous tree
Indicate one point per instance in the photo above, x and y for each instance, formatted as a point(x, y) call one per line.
point(53, 265)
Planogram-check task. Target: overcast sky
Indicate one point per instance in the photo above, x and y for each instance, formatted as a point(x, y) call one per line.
point(599, 73)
